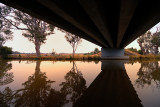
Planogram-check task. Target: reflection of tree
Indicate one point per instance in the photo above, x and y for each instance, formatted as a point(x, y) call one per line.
point(149, 72)
point(35, 90)
point(5, 97)
point(5, 77)
point(96, 61)
point(74, 85)
point(55, 99)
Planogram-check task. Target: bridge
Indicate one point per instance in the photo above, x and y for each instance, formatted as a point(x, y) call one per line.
point(111, 24)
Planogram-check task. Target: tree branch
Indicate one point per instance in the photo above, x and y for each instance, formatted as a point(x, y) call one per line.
point(15, 25)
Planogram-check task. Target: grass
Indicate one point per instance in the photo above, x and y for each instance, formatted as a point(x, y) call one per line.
point(145, 57)
point(55, 57)
point(77, 57)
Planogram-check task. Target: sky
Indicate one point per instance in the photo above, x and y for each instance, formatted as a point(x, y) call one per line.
point(57, 42)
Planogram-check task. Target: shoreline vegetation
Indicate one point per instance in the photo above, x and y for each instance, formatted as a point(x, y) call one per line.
point(133, 56)
point(54, 57)
point(76, 57)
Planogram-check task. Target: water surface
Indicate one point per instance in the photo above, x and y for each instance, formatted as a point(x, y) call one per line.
point(79, 84)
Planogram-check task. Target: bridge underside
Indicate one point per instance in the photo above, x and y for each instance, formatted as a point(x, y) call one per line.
point(109, 24)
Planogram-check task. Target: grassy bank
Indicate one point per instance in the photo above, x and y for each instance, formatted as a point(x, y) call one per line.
point(55, 57)
point(145, 57)
point(77, 57)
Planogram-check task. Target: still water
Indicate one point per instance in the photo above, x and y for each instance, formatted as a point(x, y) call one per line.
point(79, 84)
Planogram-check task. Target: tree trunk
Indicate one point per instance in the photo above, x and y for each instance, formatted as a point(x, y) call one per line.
point(156, 49)
point(142, 49)
point(37, 47)
point(147, 51)
point(37, 70)
point(73, 66)
point(73, 52)
point(0, 45)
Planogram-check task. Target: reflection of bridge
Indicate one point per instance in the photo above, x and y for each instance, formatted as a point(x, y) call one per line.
point(112, 87)
point(111, 25)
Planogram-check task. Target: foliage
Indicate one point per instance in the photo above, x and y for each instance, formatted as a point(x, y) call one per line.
point(149, 43)
point(133, 49)
point(37, 90)
point(140, 52)
point(72, 39)
point(75, 84)
point(5, 25)
point(5, 76)
point(149, 72)
point(156, 40)
point(4, 51)
point(96, 51)
point(34, 29)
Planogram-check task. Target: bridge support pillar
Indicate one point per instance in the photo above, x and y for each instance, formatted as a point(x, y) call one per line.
point(113, 53)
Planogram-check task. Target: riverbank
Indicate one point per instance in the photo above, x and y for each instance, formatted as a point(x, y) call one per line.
point(77, 57)
point(145, 57)
point(54, 57)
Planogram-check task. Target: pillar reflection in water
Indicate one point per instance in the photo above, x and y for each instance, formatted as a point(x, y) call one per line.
point(112, 87)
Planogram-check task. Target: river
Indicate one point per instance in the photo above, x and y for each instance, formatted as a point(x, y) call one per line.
point(79, 83)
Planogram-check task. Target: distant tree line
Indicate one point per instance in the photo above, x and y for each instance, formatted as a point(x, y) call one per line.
point(96, 51)
point(4, 51)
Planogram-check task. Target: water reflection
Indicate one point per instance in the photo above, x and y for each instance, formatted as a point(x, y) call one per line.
point(149, 72)
point(34, 94)
point(37, 90)
point(75, 84)
point(112, 87)
point(5, 76)
point(64, 84)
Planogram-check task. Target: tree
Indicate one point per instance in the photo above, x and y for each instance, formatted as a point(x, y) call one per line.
point(140, 52)
point(140, 41)
point(133, 49)
point(4, 51)
point(144, 42)
point(73, 40)
point(149, 43)
point(34, 29)
point(96, 50)
point(5, 26)
point(156, 41)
